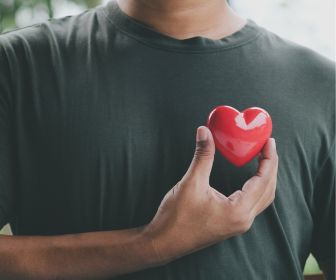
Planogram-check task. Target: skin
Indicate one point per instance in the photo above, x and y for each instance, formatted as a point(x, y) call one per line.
point(192, 215)
point(187, 18)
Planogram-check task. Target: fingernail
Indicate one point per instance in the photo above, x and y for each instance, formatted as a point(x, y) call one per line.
point(202, 134)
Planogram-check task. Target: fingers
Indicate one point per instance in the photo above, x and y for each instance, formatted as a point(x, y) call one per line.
point(268, 158)
point(201, 165)
point(258, 192)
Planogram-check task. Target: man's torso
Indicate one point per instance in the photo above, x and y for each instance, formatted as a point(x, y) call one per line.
point(104, 125)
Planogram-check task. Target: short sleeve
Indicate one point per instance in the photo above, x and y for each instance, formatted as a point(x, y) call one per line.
point(323, 242)
point(6, 143)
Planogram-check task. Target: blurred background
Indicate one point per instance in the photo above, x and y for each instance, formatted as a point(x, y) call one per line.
point(307, 22)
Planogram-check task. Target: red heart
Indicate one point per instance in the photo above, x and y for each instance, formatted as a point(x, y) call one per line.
point(239, 136)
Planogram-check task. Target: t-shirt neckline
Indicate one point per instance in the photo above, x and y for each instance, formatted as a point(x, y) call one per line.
point(144, 33)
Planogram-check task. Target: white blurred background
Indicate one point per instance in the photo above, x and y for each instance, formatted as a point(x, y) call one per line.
point(307, 22)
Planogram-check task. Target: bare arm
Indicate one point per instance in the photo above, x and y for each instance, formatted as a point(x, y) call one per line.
point(192, 215)
point(96, 255)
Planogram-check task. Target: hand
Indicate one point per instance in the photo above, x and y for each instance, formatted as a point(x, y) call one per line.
point(193, 215)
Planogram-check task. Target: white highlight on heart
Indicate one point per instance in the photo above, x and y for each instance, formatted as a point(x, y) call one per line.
point(259, 120)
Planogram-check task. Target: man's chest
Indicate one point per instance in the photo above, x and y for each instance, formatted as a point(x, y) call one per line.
point(115, 137)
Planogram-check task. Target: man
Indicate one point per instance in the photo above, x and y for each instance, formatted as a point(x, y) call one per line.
point(98, 117)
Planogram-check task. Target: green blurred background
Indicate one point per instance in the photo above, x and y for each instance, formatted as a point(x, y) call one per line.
point(20, 13)
point(12, 11)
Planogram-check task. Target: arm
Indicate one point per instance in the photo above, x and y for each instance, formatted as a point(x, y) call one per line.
point(95, 255)
point(192, 215)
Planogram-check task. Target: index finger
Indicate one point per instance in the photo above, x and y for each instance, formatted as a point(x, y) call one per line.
point(268, 160)
point(260, 184)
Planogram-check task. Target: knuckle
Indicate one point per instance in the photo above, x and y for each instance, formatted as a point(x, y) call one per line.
point(269, 201)
point(244, 225)
point(273, 193)
point(241, 221)
point(201, 152)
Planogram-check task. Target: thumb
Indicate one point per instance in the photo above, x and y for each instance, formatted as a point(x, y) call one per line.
point(201, 164)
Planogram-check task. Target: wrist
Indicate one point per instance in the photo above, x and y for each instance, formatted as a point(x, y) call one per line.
point(165, 246)
point(157, 246)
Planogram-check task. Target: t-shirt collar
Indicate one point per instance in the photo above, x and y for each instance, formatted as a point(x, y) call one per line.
point(148, 35)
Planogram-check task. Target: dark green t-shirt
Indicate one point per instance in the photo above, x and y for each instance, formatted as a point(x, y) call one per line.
point(98, 115)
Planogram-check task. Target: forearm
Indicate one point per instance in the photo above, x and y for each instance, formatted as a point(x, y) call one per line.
point(96, 255)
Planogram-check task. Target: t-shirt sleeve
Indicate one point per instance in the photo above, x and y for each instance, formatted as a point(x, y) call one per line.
point(323, 242)
point(6, 143)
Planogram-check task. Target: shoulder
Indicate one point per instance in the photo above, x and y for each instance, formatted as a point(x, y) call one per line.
point(296, 57)
point(51, 32)
point(306, 83)
point(306, 75)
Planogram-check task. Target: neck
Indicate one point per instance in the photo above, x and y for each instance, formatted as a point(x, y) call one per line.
point(182, 19)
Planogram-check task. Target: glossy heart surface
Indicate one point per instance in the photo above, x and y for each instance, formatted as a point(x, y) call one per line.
point(239, 136)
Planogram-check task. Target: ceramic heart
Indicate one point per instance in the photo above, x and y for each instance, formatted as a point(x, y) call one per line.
point(239, 136)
